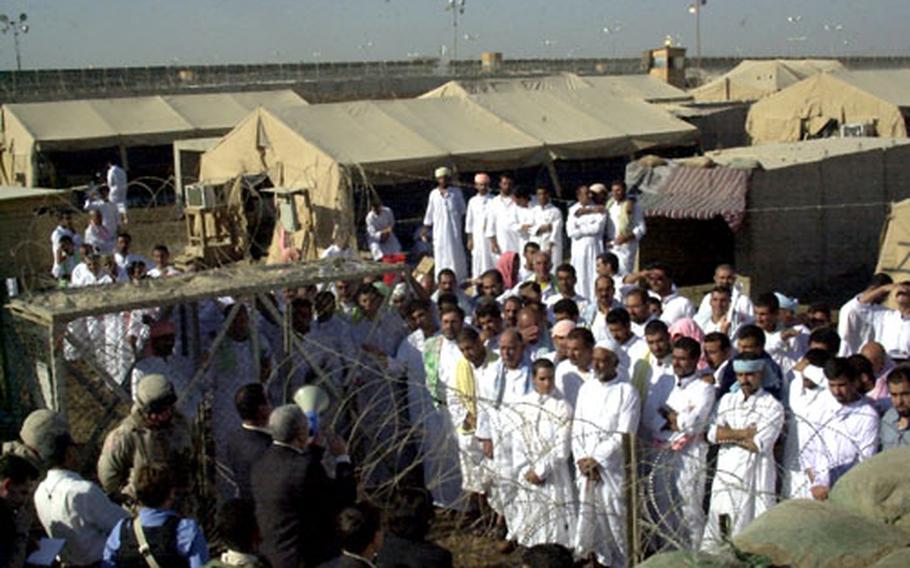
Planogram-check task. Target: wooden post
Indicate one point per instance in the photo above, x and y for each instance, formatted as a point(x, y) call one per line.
point(633, 527)
point(55, 372)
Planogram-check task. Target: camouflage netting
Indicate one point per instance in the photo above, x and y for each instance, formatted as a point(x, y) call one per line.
point(878, 489)
point(811, 534)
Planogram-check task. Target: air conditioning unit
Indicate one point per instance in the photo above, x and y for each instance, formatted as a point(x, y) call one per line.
point(857, 130)
point(200, 196)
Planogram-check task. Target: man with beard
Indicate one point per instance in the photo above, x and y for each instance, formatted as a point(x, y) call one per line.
point(595, 315)
point(499, 235)
point(500, 388)
point(745, 427)
point(625, 226)
point(439, 441)
point(154, 432)
point(574, 372)
point(679, 464)
point(585, 229)
point(608, 410)
point(847, 426)
point(445, 215)
point(636, 303)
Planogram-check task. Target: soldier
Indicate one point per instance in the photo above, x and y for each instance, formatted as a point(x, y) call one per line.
point(36, 437)
point(154, 432)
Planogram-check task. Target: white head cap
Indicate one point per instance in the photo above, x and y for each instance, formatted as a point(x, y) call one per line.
point(442, 172)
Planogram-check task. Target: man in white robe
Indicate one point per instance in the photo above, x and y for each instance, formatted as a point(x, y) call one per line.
point(719, 314)
point(674, 307)
point(463, 408)
point(853, 324)
point(500, 237)
point(847, 426)
point(739, 311)
point(445, 214)
point(679, 465)
point(522, 221)
point(549, 227)
point(636, 303)
point(439, 440)
point(162, 359)
point(628, 347)
point(745, 426)
point(541, 450)
point(608, 410)
point(475, 225)
point(594, 317)
point(625, 228)
point(807, 388)
point(117, 182)
point(573, 372)
point(380, 224)
point(585, 229)
point(500, 388)
point(890, 327)
point(566, 281)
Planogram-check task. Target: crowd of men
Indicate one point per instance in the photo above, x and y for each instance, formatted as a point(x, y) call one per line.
point(507, 388)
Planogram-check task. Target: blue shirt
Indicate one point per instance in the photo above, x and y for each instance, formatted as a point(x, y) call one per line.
point(890, 434)
point(191, 542)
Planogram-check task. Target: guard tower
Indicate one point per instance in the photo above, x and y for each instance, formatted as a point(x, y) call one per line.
point(667, 63)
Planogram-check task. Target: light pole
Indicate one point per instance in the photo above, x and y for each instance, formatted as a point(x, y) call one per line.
point(16, 26)
point(457, 9)
point(695, 9)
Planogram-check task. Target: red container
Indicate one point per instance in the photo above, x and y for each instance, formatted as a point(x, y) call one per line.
point(399, 258)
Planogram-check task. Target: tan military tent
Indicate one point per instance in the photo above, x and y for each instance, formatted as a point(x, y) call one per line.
point(878, 99)
point(894, 253)
point(755, 79)
point(32, 128)
point(641, 87)
point(328, 149)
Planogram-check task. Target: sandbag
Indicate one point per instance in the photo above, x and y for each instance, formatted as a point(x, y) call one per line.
point(686, 559)
point(878, 488)
point(897, 559)
point(811, 534)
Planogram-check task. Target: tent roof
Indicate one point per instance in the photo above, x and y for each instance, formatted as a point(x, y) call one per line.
point(891, 85)
point(894, 253)
point(784, 155)
point(78, 121)
point(754, 79)
point(643, 87)
point(501, 127)
point(63, 305)
point(377, 134)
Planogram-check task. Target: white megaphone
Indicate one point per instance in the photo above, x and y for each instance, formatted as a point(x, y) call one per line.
point(312, 400)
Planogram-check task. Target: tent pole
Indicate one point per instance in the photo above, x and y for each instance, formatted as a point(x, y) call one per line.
point(551, 169)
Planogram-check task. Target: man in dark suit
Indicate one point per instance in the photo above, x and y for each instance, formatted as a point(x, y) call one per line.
point(296, 501)
point(252, 439)
point(360, 533)
point(407, 524)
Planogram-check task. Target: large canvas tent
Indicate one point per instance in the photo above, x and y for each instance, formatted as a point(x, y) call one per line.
point(752, 80)
point(878, 98)
point(329, 149)
point(30, 129)
point(641, 87)
point(894, 253)
point(810, 222)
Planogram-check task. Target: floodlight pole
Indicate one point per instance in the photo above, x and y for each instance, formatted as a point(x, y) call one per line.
point(16, 26)
point(698, 33)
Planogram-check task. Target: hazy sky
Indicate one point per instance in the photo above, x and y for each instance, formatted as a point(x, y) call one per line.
point(83, 33)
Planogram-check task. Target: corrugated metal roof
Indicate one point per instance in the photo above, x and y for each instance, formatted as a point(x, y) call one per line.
point(700, 193)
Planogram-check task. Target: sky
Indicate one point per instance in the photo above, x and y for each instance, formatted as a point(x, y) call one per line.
point(117, 33)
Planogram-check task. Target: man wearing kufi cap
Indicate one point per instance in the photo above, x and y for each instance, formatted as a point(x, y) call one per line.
point(585, 228)
point(154, 432)
point(746, 426)
point(608, 409)
point(36, 437)
point(475, 225)
point(445, 214)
